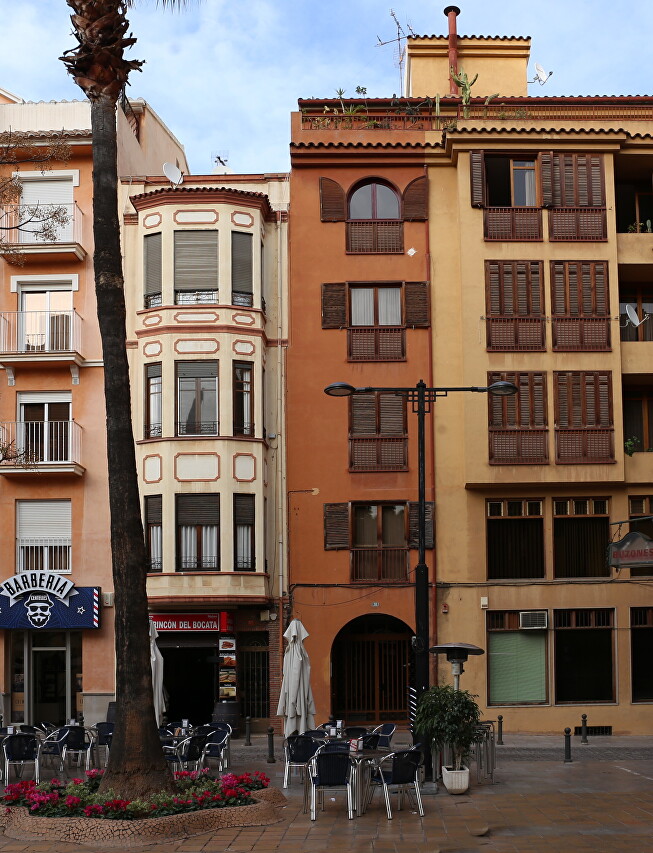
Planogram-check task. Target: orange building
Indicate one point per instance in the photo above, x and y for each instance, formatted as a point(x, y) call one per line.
point(55, 576)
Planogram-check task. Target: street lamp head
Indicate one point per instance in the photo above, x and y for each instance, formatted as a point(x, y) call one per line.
point(502, 389)
point(339, 389)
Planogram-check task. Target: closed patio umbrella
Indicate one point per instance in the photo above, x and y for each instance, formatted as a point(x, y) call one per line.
point(156, 659)
point(296, 700)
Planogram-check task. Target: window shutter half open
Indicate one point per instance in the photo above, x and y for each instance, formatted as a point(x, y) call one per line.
point(392, 415)
point(194, 369)
point(241, 262)
point(363, 414)
point(244, 509)
point(417, 303)
point(416, 200)
point(196, 260)
point(336, 527)
point(413, 524)
point(43, 519)
point(153, 509)
point(198, 509)
point(477, 177)
point(333, 206)
point(546, 177)
point(334, 306)
point(152, 262)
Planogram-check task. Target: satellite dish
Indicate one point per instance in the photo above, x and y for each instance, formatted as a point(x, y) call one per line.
point(541, 75)
point(632, 316)
point(173, 174)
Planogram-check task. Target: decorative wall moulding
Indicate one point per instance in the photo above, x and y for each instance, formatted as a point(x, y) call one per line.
point(152, 320)
point(196, 217)
point(197, 317)
point(242, 218)
point(265, 472)
point(243, 347)
point(152, 468)
point(243, 319)
point(152, 220)
point(244, 467)
point(152, 349)
point(197, 467)
point(201, 346)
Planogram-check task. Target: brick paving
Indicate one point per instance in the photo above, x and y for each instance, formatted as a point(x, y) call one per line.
point(603, 801)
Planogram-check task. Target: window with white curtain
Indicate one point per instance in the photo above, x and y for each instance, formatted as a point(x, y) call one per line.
point(244, 517)
point(243, 400)
point(198, 532)
point(375, 306)
point(154, 532)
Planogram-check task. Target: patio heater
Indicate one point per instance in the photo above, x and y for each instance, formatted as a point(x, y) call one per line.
point(457, 654)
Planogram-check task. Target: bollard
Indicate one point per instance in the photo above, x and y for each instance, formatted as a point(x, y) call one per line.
point(567, 746)
point(248, 739)
point(500, 730)
point(271, 759)
point(583, 728)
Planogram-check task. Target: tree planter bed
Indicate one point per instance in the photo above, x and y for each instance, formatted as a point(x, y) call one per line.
point(20, 825)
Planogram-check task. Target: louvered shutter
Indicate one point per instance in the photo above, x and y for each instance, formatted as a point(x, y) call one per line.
point(44, 519)
point(562, 412)
point(333, 207)
point(538, 400)
point(334, 306)
point(496, 408)
point(199, 509)
point(417, 304)
point(241, 262)
point(153, 509)
point(601, 294)
point(477, 178)
point(578, 180)
point(194, 369)
point(196, 260)
point(152, 264)
point(546, 177)
point(336, 526)
point(152, 371)
point(244, 509)
point(416, 200)
point(493, 292)
point(413, 525)
point(392, 418)
point(363, 414)
point(58, 192)
point(558, 289)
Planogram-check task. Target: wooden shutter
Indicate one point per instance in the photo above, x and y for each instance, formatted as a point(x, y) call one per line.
point(334, 306)
point(579, 288)
point(392, 414)
point(196, 260)
point(477, 177)
point(153, 509)
point(416, 200)
point(363, 414)
point(583, 399)
point(244, 509)
point(578, 180)
point(198, 509)
point(336, 526)
point(195, 369)
point(524, 410)
point(417, 304)
point(546, 177)
point(413, 524)
point(333, 207)
point(241, 262)
point(152, 264)
point(514, 288)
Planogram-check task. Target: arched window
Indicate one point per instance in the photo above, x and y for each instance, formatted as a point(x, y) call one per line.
point(374, 200)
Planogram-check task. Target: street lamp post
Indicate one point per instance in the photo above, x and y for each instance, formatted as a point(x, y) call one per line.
point(421, 398)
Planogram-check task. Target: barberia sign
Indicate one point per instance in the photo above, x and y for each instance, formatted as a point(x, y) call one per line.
point(192, 621)
point(635, 549)
point(46, 599)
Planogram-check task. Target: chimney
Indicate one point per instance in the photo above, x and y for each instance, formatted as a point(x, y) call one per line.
point(452, 13)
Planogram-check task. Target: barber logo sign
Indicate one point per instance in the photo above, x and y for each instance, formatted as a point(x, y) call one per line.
point(45, 598)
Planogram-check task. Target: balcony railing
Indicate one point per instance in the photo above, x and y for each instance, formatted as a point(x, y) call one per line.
point(375, 236)
point(37, 443)
point(198, 428)
point(195, 297)
point(28, 225)
point(515, 334)
point(242, 297)
point(376, 344)
point(198, 564)
point(519, 446)
point(578, 223)
point(581, 334)
point(379, 564)
point(378, 454)
point(39, 332)
point(513, 223)
point(588, 445)
point(37, 554)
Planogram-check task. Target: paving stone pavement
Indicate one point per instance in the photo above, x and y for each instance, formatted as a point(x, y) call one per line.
point(602, 801)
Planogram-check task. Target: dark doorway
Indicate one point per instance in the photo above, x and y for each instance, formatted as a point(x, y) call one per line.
point(370, 670)
point(189, 677)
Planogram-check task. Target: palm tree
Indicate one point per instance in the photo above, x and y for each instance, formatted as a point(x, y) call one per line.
point(136, 764)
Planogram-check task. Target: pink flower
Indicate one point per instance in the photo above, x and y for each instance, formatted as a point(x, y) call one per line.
point(72, 802)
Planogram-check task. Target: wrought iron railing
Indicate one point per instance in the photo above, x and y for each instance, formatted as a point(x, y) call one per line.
point(198, 564)
point(198, 428)
point(379, 564)
point(195, 297)
point(41, 442)
point(40, 332)
point(378, 454)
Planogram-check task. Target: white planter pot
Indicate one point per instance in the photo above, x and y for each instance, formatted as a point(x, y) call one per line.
point(455, 781)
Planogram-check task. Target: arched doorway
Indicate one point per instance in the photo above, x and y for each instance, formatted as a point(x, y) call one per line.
point(370, 670)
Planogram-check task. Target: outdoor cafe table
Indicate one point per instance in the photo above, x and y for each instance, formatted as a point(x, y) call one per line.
point(363, 761)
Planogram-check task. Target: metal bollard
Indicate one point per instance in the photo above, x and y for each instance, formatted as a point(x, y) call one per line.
point(500, 730)
point(583, 728)
point(567, 746)
point(271, 759)
point(248, 733)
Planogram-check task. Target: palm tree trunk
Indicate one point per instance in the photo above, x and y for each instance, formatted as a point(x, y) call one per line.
point(136, 763)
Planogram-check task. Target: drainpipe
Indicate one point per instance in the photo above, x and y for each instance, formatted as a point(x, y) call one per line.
point(452, 13)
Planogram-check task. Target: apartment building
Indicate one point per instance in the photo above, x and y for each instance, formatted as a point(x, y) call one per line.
point(56, 617)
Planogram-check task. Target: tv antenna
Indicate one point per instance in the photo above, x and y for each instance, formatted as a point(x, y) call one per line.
point(541, 76)
point(633, 319)
point(400, 50)
point(173, 174)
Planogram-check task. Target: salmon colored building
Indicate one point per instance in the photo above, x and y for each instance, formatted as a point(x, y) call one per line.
point(56, 588)
point(464, 237)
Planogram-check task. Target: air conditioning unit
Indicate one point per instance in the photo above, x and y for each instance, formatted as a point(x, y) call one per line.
point(530, 619)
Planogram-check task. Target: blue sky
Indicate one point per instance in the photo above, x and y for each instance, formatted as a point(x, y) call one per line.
point(225, 75)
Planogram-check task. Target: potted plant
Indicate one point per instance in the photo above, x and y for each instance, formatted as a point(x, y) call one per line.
point(450, 717)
